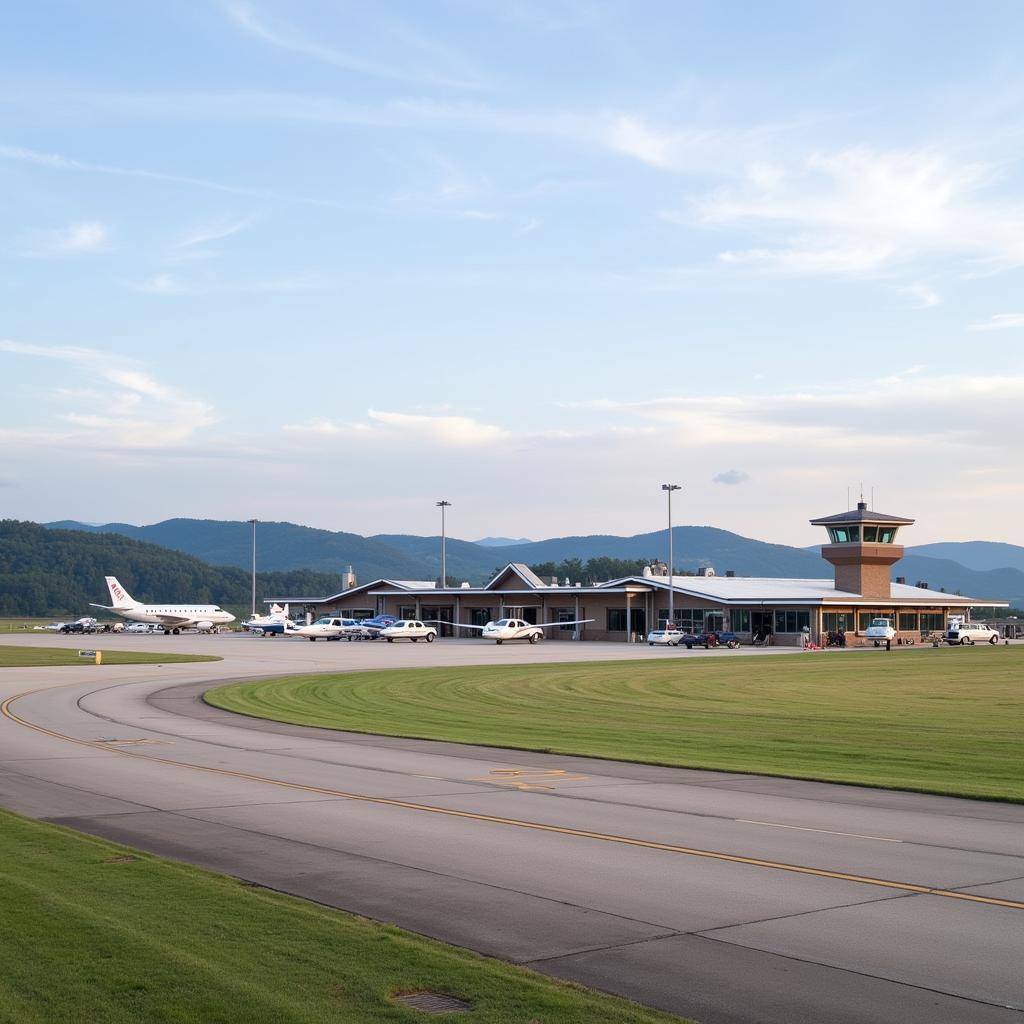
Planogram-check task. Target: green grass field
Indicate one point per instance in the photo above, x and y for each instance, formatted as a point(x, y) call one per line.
point(40, 657)
point(91, 931)
point(941, 721)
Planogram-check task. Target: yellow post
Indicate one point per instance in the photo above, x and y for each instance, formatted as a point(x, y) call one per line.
point(99, 657)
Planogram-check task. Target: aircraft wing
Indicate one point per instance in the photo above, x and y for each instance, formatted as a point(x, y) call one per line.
point(174, 620)
point(454, 625)
point(106, 607)
point(575, 622)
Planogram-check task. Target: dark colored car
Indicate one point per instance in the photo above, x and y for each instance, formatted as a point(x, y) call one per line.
point(376, 624)
point(77, 627)
point(711, 639)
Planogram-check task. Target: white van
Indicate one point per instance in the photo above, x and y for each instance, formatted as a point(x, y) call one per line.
point(971, 633)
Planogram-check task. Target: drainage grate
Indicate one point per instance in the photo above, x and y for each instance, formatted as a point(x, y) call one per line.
point(433, 1002)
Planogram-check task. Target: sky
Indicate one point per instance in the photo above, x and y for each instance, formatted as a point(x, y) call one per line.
point(331, 262)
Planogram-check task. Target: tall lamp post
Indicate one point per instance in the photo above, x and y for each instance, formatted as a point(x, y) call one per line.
point(253, 523)
point(671, 570)
point(442, 505)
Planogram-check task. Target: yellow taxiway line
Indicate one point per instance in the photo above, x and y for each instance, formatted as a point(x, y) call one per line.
point(536, 826)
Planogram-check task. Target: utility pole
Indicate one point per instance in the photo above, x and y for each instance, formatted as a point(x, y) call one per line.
point(442, 505)
point(671, 569)
point(253, 522)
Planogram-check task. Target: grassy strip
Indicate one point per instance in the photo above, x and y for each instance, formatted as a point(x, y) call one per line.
point(39, 657)
point(91, 931)
point(940, 721)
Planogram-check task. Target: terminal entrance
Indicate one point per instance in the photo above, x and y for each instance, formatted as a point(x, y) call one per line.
point(441, 616)
point(762, 623)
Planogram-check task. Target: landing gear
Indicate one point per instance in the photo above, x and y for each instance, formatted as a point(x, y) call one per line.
point(534, 637)
point(430, 638)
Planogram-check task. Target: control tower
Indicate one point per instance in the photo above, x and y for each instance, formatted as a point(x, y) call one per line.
point(862, 548)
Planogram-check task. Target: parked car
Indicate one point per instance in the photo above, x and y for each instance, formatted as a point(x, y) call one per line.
point(971, 633)
point(376, 624)
point(668, 637)
point(711, 639)
point(143, 627)
point(78, 627)
point(408, 629)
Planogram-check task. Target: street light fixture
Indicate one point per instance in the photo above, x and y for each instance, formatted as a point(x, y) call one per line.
point(671, 570)
point(442, 505)
point(253, 522)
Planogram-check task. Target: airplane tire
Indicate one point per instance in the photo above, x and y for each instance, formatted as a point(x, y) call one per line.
point(993, 639)
point(167, 632)
point(877, 644)
point(312, 639)
point(390, 639)
point(497, 641)
point(177, 632)
point(534, 638)
point(430, 638)
point(415, 639)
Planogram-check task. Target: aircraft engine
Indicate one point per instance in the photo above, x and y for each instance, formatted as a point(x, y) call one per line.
point(204, 626)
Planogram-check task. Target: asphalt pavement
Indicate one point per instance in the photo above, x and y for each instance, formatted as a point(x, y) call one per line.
point(725, 897)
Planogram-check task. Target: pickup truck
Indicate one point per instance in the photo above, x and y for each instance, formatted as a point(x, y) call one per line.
point(880, 630)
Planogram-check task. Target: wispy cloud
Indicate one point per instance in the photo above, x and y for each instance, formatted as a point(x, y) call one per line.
point(924, 296)
point(860, 209)
point(400, 428)
point(286, 36)
point(78, 238)
point(1000, 322)
point(133, 409)
point(213, 232)
point(57, 161)
point(172, 284)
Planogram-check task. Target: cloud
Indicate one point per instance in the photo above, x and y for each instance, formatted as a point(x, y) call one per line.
point(135, 409)
point(860, 209)
point(86, 236)
point(285, 36)
point(730, 477)
point(57, 161)
point(212, 232)
point(1000, 322)
point(396, 428)
point(926, 297)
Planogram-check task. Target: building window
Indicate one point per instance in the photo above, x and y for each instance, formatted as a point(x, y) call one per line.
point(739, 619)
point(886, 534)
point(714, 622)
point(359, 613)
point(908, 620)
point(479, 616)
point(932, 621)
point(407, 611)
point(838, 622)
point(690, 620)
point(870, 534)
point(864, 620)
point(564, 615)
point(844, 534)
point(792, 621)
point(616, 620)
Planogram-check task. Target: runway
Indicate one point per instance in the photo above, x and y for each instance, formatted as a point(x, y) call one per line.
point(728, 898)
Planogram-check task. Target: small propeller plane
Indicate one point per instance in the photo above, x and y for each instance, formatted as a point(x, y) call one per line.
point(515, 629)
point(329, 628)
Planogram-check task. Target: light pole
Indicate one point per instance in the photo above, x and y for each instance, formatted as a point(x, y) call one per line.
point(253, 522)
point(442, 505)
point(671, 571)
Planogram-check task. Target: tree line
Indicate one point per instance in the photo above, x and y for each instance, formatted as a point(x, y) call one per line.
point(59, 572)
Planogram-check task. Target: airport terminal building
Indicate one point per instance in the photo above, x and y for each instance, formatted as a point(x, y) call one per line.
point(862, 549)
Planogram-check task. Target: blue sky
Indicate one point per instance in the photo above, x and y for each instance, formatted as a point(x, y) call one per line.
point(329, 262)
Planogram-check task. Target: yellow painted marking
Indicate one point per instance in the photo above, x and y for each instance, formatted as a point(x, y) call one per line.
point(535, 826)
point(824, 831)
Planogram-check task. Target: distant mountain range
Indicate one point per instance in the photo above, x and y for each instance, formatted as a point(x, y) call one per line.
point(977, 568)
point(501, 542)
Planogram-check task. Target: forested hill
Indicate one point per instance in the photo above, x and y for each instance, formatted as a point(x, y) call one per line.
point(59, 572)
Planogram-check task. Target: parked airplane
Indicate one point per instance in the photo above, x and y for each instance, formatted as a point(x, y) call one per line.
point(330, 628)
point(516, 629)
point(274, 624)
point(173, 617)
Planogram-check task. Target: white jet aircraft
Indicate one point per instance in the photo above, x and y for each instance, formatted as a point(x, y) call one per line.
point(516, 629)
point(329, 628)
point(173, 617)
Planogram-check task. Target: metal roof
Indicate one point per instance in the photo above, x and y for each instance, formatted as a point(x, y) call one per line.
point(861, 514)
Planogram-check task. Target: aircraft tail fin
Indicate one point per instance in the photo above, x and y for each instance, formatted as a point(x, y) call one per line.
point(120, 597)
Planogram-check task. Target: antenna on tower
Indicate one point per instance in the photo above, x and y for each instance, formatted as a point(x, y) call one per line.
point(862, 490)
point(872, 499)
